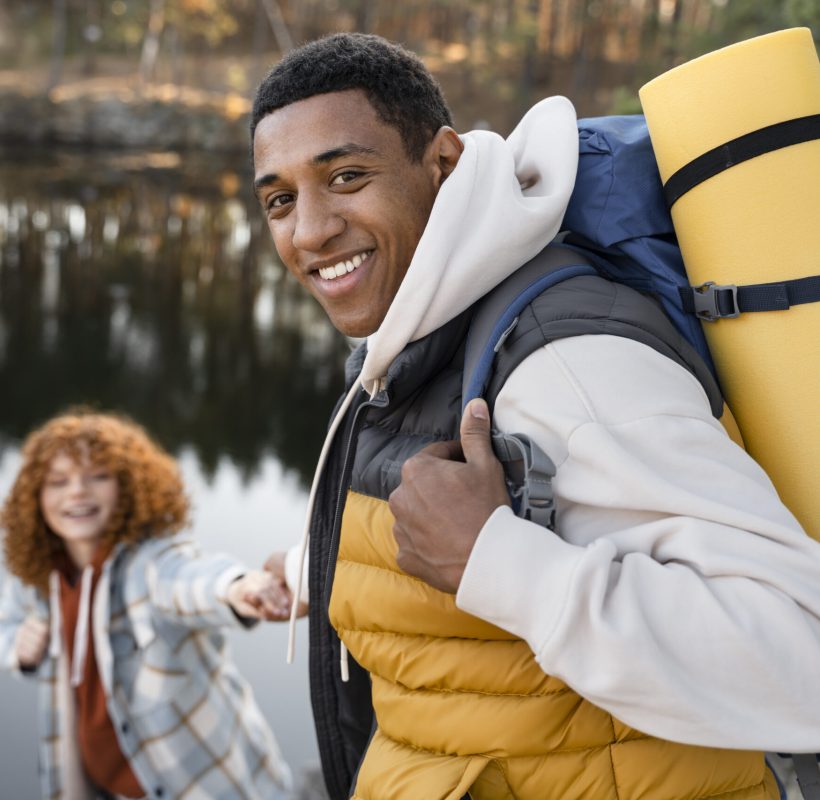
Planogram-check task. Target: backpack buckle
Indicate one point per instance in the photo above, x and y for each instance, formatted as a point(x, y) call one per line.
point(528, 473)
point(710, 300)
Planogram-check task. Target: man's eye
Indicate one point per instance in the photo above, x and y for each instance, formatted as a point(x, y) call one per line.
point(279, 200)
point(345, 177)
point(101, 476)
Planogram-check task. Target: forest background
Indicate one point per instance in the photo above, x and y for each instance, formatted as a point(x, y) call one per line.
point(102, 71)
point(137, 273)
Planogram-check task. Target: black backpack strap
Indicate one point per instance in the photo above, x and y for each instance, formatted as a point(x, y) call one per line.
point(711, 302)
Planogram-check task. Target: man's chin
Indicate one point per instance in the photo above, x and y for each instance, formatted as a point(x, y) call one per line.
point(354, 327)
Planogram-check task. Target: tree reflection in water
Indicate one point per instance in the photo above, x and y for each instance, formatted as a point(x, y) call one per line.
point(147, 283)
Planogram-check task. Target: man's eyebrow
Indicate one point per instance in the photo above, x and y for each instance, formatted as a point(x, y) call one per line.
point(264, 180)
point(349, 149)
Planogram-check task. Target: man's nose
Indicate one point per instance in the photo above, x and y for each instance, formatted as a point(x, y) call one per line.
point(317, 221)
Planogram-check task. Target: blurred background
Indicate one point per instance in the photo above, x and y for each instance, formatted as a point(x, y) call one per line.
point(136, 272)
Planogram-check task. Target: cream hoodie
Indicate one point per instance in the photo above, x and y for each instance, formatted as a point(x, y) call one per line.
point(678, 593)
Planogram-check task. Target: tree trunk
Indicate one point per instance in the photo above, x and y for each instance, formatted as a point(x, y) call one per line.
point(365, 12)
point(260, 44)
point(284, 41)
point(671, 54)
point(174, 44)
point(55, 72)
point(92, 32)
point(579, 73)
point(150, 44)
point(530, 56)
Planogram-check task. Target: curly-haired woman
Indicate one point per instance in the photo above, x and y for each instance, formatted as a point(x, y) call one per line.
point(122, 619)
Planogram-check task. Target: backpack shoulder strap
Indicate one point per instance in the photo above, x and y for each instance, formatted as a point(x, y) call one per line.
point(528, 470)
point(580, 302)
point(520, 315)
point(497, 314)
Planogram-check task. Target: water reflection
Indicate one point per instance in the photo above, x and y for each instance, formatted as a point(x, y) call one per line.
point(147, 283)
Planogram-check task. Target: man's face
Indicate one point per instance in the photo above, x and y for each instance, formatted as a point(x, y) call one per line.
point(345, 204)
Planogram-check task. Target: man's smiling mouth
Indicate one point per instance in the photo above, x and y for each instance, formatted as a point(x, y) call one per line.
point(343, 267)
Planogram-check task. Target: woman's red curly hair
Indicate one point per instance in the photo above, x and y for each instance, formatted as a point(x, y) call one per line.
point(152, 500)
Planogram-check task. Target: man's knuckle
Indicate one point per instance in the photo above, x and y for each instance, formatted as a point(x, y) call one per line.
point(394, 501)
point(408, 469)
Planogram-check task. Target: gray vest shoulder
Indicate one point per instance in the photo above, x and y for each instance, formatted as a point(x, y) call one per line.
point(591, 304)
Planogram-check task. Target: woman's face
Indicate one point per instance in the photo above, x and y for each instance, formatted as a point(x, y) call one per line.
point(78, 499)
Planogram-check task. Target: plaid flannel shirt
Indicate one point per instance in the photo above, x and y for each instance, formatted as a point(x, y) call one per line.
point(185, 718)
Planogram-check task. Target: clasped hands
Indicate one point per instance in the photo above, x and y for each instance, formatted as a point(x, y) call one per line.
point(447, 492)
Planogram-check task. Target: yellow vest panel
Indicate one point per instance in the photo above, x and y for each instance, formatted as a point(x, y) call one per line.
point(462, 705)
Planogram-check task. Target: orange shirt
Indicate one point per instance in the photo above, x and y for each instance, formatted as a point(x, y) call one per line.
point(103, 761)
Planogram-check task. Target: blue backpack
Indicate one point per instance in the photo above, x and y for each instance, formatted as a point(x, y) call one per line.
point(618, 221)
point(618, 214)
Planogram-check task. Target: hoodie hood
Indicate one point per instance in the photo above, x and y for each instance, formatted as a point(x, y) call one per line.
point(501, 205)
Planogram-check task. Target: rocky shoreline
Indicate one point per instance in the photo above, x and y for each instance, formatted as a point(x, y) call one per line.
point(156, 117)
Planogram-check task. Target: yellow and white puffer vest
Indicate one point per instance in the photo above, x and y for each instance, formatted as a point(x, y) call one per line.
point(462, 707)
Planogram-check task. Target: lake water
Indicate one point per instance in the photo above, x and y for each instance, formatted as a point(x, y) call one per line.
point(146, 283)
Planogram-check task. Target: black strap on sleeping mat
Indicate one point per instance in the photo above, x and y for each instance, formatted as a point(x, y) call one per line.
point(711, 302)
point(750, 145)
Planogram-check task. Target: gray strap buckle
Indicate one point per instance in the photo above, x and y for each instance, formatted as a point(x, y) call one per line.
point(705, 298)
point(528, 472)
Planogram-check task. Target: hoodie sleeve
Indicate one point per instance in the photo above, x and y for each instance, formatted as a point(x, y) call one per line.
point(678, 592)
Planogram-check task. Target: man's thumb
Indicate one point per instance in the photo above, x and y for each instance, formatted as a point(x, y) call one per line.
point(475, 431)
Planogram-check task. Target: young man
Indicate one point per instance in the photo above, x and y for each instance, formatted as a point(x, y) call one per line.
point(666, 634)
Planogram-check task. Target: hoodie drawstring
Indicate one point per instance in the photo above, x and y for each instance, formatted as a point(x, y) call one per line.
point(54, 613)
point(343, 665)
point(303, 546)
point(81, 631)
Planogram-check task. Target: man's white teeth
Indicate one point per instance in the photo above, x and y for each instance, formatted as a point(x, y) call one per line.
point(343, 267)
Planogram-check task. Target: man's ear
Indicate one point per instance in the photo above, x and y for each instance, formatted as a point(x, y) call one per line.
point(445, 150)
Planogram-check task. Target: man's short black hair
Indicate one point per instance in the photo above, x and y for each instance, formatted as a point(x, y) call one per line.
point(399, 87)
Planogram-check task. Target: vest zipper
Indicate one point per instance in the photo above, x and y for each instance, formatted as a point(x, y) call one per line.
point(329, 732)
point(380, 400)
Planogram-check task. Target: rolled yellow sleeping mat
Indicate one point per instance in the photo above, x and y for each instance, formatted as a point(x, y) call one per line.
point(735, 134)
